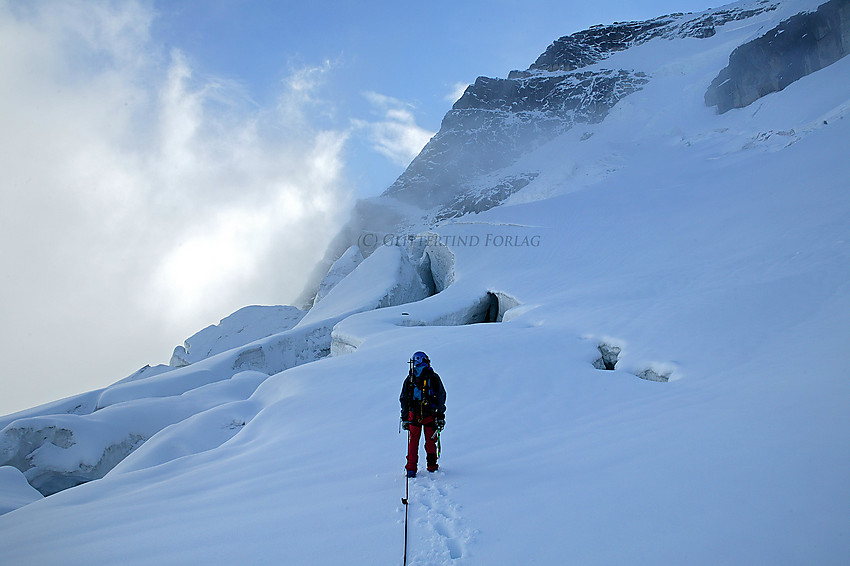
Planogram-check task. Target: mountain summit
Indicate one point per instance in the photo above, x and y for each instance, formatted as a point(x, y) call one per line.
point(483, 152)
point(496, 121)
point(628, 263)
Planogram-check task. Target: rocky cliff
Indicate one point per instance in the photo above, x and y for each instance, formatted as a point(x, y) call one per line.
point(795, 48)
point(475, 161)
point(498, 120)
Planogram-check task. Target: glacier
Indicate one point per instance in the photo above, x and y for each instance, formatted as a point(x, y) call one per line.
point(657, 380)
point(245, 325)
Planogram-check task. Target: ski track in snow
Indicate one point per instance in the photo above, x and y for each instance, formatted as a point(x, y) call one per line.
point(438, 533)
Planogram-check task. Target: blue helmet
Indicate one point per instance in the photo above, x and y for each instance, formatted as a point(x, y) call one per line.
point(420, 359)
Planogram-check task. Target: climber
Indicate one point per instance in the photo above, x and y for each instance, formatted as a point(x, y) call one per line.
point(423, 405)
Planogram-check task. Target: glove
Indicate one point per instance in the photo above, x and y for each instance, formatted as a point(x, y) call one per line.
point(440, 423)
point(405, 425)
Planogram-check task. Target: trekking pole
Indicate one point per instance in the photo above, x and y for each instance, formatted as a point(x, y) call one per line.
point(406, 507)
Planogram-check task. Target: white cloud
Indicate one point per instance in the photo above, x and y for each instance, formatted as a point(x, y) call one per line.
point(396, 134)
point(456, 92)
point(138, 202)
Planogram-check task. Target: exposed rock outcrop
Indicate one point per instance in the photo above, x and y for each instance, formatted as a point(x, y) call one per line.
point(496, 121)
point(795, 48)
point(474, 162)
point(600, 42)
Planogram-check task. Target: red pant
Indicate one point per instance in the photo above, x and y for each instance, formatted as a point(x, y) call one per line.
point(430, 444)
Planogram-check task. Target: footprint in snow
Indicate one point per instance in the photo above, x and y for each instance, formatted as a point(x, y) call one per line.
point(439, 535)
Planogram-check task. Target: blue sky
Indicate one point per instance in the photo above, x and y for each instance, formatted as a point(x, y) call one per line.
point(414, 53)
point(163, 164)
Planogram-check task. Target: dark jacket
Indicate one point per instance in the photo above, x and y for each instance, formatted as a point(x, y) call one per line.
point(423, 396)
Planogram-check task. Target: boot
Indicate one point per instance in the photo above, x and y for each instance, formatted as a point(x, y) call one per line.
point(432, 463)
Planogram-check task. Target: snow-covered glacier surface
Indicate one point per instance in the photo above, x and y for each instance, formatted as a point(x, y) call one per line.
point(58, 449)
point(704, 257)
point(245, 325)
point(15, 491)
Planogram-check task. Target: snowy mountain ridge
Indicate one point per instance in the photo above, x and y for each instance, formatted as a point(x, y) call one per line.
point(514, 115)
point(630, 313)
point(600, 42)
point(476, 160)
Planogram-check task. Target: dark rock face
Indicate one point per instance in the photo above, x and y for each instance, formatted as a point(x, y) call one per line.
point(489, 197)
point(599, 42)
point(586, 96)
point(493, 123)
point(496, 121)
point(795, 48)
point(473, 163)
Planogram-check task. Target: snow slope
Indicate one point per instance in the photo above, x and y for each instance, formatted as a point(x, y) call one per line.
point(713, 250)
point(15, 491)
point(246, 325)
